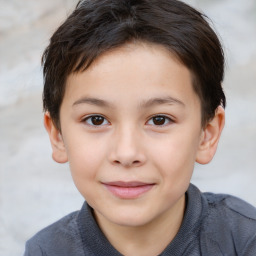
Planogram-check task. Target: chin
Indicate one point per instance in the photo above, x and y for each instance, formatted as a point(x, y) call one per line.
point(131, 219)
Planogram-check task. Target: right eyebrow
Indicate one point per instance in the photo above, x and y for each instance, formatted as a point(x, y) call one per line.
point(92, 101)
point(160, 101)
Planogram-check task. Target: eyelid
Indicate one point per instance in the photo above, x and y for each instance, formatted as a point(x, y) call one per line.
point(168, 117)
point(87, 117)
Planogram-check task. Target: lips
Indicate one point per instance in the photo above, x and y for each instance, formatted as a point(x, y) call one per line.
point(128, 190)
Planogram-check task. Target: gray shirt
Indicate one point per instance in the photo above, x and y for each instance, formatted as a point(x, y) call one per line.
point(213, 225)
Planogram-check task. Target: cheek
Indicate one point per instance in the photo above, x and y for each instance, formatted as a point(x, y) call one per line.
point(85, 160)
point(85, 155)
point(175, 154)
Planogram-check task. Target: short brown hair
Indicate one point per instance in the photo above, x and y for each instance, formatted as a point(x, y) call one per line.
point(96, 26)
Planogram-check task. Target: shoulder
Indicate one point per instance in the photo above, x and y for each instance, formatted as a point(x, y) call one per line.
point(230, 223)
point(232, 205)
point(60, 238)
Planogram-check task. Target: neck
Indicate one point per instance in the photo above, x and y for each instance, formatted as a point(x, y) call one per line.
point(141, 240)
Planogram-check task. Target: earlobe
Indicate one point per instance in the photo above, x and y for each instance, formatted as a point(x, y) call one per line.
point(59, 153)
point(210, 137)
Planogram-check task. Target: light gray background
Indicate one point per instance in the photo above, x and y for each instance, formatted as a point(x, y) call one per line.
point(35, 191)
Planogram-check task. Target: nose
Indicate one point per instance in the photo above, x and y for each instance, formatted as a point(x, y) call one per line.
point(127, 148)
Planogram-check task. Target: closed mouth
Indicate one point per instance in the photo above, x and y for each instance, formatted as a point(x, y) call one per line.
point(128, 190)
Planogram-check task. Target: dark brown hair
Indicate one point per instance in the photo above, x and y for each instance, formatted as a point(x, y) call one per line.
point(96, 26)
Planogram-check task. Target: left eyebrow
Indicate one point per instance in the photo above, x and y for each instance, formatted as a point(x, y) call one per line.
point(160, 101)
point(92, 101)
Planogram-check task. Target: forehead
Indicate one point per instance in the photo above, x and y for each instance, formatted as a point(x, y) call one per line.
point(134, 71)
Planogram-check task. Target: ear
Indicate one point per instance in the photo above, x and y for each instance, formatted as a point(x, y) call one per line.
point(210, 137)
point(59, 153)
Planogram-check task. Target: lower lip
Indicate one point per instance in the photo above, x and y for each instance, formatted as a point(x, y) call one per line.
point(129, 192)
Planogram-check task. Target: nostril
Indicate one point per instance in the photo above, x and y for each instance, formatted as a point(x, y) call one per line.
point(132, 163)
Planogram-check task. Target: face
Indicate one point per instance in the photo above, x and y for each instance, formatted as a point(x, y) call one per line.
point(131, 130)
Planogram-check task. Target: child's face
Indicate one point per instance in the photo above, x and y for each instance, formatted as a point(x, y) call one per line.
point(131, 127)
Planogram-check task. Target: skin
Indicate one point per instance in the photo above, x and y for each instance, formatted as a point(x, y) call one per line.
point(148, 130)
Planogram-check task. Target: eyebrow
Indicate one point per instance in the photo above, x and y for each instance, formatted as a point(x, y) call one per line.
point(92, 101)
point(161, 101)
point(144, 104)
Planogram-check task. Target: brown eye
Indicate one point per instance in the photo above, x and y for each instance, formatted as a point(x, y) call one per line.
point(159, 120)
point(96, 120)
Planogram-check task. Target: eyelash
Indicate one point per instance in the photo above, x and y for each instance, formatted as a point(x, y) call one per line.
point(166, 118)
point(106, 122)
point(87, 118)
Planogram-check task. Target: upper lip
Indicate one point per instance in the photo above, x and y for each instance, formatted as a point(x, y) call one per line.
point(127, 184)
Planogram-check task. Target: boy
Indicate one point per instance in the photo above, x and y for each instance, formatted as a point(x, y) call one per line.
point(132, 99)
